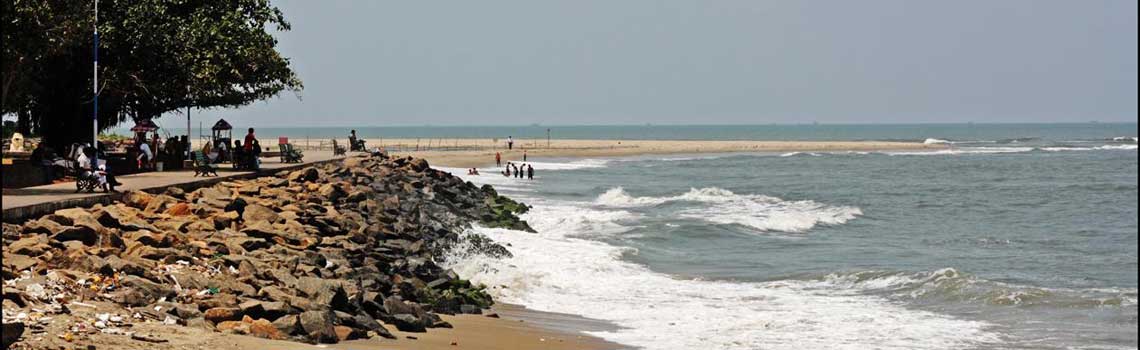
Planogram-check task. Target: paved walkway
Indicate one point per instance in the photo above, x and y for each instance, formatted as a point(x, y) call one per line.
point(23, 198)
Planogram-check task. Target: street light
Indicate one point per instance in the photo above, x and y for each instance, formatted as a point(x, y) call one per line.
point(95, 90)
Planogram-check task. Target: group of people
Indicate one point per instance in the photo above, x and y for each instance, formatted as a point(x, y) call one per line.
point(511, 169)
point(518, 171)
point(84, 160)
point(145, 158)
point(244, 156)
point(84, 157)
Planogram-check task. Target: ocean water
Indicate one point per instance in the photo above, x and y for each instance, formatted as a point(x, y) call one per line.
point(824, 132)
point(1023, 239)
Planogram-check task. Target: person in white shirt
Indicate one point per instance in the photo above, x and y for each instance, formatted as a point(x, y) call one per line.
point(84, 161)
point(106, 178)
point(145, 155)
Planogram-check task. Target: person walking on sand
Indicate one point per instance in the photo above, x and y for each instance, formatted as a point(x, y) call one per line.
point(524, 155)
point(498, 159)
point(530, 172)
point(510, 143)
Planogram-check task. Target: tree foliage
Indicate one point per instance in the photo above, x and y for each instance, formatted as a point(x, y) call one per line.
point(155, 56)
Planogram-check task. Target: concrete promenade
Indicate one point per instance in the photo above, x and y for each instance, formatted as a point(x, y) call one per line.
point(22, 203)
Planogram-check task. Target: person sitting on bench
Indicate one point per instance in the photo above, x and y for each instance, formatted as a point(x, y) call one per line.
point(355, 144)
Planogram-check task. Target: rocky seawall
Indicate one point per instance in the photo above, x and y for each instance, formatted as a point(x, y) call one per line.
point(323, 254)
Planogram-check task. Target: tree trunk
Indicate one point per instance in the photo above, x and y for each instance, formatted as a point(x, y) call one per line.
point(24, 122)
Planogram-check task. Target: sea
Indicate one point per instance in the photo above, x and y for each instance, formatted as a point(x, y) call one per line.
point(1013, 237)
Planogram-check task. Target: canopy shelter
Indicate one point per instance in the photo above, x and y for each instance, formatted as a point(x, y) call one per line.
point(144, 126)
point(146, 131)
point(220, 129)
point(222, 138)
point(222, 125)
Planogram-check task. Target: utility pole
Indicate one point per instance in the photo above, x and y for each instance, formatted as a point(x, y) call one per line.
point(188, 104)
point(95, 90)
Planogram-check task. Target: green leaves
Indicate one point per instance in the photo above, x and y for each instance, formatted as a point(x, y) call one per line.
point(155, 56)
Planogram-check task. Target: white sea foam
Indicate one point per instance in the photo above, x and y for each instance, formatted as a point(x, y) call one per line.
point(933, 141)
point(759, 212)
point(556, 272)
point(951, 284)
point(964, 150)
point(1097, 148)
point(1118, 147)
point(793, 154)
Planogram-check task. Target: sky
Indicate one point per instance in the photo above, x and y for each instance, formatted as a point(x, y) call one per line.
point(519, 62)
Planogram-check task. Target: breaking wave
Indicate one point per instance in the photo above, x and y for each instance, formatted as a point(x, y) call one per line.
point(950, 285)
point(555, 271)
point(759, 212)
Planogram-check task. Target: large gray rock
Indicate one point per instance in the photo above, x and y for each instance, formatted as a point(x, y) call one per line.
point(254, 212)
point(323, 292)
point(317, 326)
point(409, 323)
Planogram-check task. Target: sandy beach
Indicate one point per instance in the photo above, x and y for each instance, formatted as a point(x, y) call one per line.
point(465, 153)
point(516, 329)
point(479, 152)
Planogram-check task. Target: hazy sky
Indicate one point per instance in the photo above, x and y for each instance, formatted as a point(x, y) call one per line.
point(375, 63)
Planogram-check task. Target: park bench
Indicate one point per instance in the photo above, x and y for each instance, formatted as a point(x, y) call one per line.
point(290, 154)
point(202, 165)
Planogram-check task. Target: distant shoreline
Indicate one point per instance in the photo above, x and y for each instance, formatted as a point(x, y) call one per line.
point(478, 153)
point(782, 132)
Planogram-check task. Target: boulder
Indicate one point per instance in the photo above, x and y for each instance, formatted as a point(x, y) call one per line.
point(178, 209)
point(30, 245)
point(12, 333)
point(323, 292)
point(221, 314)
point(409, 323)
point(418, 164)
point(254, 212)
point(331, 192)
point(262, 328)
point(317, 326)
point(116, 217)
point(76, 233)
point(288, 324)
point(304, 175)
point(344, 333)
point(224, 220)
point(137, 199)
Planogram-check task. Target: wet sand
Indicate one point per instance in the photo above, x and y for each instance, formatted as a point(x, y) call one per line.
point(516, 329)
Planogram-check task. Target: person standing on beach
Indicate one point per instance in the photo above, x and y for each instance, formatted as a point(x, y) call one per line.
point(524, 155)
point(249, 140)
point(530, 172)
point(510, 143)
point(498, 159)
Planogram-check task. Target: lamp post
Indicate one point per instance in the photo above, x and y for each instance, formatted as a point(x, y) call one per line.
point(95, 90)
point(188, 142)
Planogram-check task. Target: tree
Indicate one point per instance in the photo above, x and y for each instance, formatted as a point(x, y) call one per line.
point(155, 56)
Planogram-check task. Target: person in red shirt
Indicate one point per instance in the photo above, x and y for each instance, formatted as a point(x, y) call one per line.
point(498, 159)
point(249, 140)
